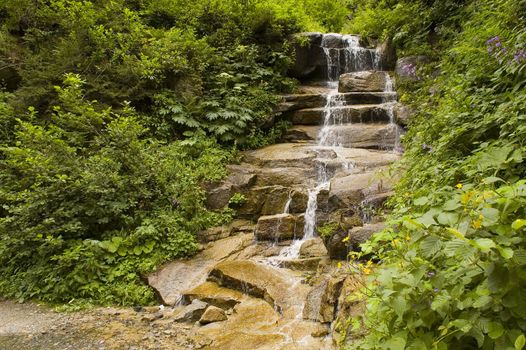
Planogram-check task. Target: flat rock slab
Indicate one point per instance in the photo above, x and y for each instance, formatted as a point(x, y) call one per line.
point(363, 81)
point(251, 278)
point(374, 136)
point(342, 114)
point(284, 155)
point(353, 189)
point(213, 294)
point(171, 280)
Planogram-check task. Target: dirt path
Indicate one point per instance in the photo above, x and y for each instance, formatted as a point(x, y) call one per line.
point(32, 327)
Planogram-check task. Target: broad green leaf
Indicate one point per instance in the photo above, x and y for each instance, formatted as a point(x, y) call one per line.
point(518, 224)
point(456, 233)
point(427, 219)
point(482, 301)
point(421, 201)
point(484, 244)
point(506, 253)
point(495, 330)
point(520, 342)
point(430, 246)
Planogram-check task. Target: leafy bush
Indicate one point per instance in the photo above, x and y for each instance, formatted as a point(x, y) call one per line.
point(452, 263)
point(90, 204)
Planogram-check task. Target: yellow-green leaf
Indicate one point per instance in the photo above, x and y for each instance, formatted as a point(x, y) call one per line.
point(520, 342)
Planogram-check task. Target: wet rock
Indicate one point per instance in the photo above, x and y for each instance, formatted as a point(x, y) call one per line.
point(348, 308)
point(192, 312)
point(387, 54)
point(266, 200)
point(213, 314)
point(277, 228)
point(336, 247)
point(219, 194)
point(370, 81)
point(283, 155)
point(322, 300)
point(218, 197)
point(332, 41)
point(305, 264)
point(351, 190)
point(172, 279)
point(309, 55)
point(359, 235)
point(375, 136)
point(220, 232)
point(301, 101)
point(211, 293)
point(312, 248)
point(402, 114)
point(251, 278)
point(320, 331)
point(344, 114)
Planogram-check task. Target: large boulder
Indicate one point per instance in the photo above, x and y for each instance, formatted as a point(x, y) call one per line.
point(359, 235)
point(312, 248)
point(211, 293)
point(370, 81)
point(387, 53)
point(251, 278)
point(309, 56)
point(322, 300)
point(279, 227)
point(402, 114)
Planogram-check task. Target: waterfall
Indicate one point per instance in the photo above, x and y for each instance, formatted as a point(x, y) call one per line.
point(347, 55)
point(343, 54)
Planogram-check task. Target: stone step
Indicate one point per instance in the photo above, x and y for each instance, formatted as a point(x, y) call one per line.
point(317, 100)
point(344, 114)
point(292, 155)
point(372, 136)
point(303, 264)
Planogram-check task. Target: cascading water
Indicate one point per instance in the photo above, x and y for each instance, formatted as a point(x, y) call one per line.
point(343, 54)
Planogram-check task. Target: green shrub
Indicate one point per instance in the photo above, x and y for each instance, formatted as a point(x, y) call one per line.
point(90, 205)
point(452, 262)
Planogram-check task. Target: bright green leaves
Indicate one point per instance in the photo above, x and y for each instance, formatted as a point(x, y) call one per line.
point(520, 342)
point(518, 224)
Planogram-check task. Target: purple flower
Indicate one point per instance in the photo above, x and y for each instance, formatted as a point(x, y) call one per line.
point(520, 56)
point(430, 274)
point(436, 290)
point(473, 105)
point(424, 145)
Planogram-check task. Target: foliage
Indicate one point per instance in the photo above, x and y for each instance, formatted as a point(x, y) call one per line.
point(89, 203)
point(113, 114)
point(183, 65)
point(452, 263)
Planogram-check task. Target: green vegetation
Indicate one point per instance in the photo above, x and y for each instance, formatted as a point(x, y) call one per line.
point(452, 272)
point(113, 114)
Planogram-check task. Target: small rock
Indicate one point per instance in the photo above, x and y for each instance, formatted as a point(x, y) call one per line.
point(152, 317)
point(192, 312)
point(213, 314)
point(319, 332)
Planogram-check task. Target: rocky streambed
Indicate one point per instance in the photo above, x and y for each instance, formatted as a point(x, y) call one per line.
point(272, 279)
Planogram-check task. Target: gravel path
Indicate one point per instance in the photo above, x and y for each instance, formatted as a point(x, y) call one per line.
point(32, 327)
